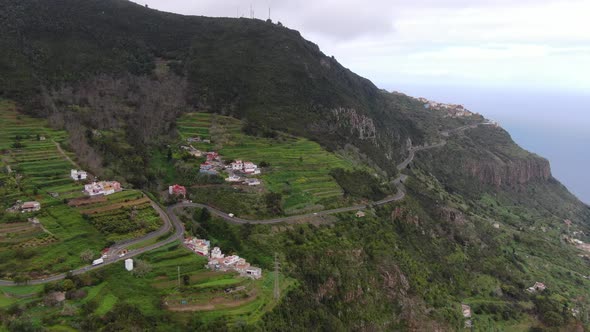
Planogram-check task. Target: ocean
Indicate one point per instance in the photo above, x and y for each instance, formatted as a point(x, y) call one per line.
point(552, 124)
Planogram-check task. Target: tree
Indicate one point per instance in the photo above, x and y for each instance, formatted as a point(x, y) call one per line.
point(142, 268)
point(87, 255)
point(205, 215)
point(274, 202)
point(68, 285)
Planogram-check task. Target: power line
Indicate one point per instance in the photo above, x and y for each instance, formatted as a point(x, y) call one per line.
point(277, 288)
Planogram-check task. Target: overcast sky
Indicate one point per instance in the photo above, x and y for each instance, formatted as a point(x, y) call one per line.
point(517, 43)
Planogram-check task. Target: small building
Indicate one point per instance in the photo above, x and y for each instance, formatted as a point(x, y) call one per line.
point(212, 156)
point(30, 206)
point(195, 139)
point(200, 246)
point(537, 287)
point(78, 174)
point(252, 182)
point(360, 214)
point(250, 168)
point(237, 165)
point(42, 138)
point(216, 253)
point(102, 188)
point(105, 253)
point(233, 178)
point(195, 153)
point(129, 264)
point(177, 190)
point(241, 266)
point(466, 310)
point(230, 260)
point(206, 166)
point(254, 272)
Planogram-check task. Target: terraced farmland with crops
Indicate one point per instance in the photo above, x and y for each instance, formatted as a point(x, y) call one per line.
point(35, 167)
point(299, 168)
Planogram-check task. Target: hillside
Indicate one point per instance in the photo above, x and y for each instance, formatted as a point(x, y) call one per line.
point(124, 87)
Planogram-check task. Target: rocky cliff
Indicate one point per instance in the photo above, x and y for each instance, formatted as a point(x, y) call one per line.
point(511, 173)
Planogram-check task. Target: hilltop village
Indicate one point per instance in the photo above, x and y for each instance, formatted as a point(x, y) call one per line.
point(451, 110)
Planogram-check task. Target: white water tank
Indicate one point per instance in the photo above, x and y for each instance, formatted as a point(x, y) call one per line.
point(129, 264)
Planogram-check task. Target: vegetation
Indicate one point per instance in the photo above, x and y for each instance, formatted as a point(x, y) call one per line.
point(39, 171)
point(122, 85)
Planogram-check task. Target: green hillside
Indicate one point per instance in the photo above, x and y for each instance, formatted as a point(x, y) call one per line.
point(482, 219)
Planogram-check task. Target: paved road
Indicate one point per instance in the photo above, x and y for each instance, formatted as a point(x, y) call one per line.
point(171, 218)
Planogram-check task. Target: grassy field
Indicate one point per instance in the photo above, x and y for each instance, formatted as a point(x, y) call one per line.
point(32, 168)
point(299, 168)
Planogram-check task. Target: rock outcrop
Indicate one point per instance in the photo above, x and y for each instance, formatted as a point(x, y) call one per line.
point(511, 173)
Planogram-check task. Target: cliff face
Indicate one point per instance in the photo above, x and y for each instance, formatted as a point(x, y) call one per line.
point(511, 173)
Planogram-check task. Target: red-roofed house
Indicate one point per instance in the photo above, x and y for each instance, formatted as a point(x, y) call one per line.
point(30, 206)
point(212, 156)
point(177, 190)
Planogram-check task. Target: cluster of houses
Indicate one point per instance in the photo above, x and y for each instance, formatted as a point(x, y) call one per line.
point(219, 262)
point(25, 207)
point(238, 171)
point(452, 110)
point(102, 188)
point(213, 164)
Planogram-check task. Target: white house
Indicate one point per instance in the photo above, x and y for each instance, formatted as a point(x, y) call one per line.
point(129, 264)
point(237, 165)
point(102, 188)
point(251, 168)
point(200, 246)
point(78, 174)
point(254, 272)
point(233, 178)
point(252, 182)
point(216, 253)
point(230, 260)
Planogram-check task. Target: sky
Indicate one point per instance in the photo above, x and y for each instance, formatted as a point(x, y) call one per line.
point(525, 63)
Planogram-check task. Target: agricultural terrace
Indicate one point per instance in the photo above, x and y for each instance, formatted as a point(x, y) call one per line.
point(299, 168)
point(212, 294)
point(32, 168)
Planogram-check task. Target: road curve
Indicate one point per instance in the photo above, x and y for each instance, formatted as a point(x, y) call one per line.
point(170, 218)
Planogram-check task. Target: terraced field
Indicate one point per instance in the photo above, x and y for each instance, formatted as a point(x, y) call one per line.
point(299, 167)
point(122, 216)
point(33, 168)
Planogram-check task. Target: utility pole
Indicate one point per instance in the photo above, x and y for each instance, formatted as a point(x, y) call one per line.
point(277, 289)
point(178, 266)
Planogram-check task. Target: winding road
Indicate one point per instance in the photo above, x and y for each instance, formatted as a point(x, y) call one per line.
point(171, 219)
